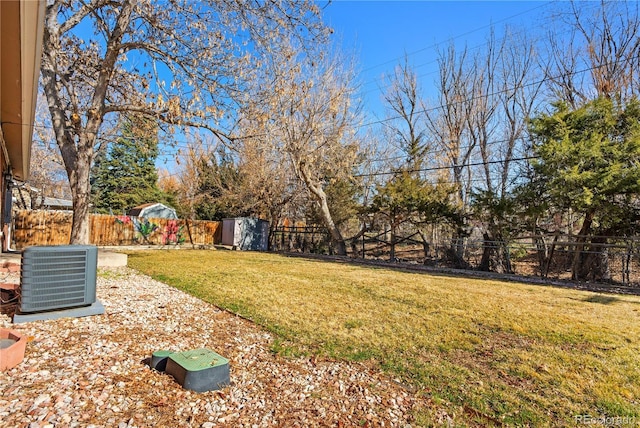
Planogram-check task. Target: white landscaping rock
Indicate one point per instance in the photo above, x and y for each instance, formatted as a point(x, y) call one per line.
point(91, 371)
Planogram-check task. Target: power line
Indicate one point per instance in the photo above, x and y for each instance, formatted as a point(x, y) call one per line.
point(380, 79)
point(428, 168)
point(200, 195)
point(495, 93)
point(439, 168)
point(437, 150)
point(435, 61)
point(435, 45)
point(427, 110)
point(502, 91)
point(442, 106)
point(418, 76)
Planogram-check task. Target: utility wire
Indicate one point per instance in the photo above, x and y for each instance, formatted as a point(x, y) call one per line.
point(427, 110)
point(381, 79)
point(502, 91)
point(439, 168)
point(442, 106)
point(435, 45)
point(478, 97)
point(438, 150)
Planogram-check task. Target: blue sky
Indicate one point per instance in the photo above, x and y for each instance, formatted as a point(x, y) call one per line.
point(380, 33)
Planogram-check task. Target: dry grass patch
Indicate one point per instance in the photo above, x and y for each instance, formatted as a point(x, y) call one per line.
point(486, 352)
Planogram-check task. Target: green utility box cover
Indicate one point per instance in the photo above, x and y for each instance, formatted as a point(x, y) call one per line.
point(199, 369)
point(159, 359)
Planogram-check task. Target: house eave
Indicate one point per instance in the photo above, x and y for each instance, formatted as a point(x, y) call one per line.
point(22, 24)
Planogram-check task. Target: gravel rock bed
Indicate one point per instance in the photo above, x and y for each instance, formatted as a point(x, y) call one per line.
point(92, 371)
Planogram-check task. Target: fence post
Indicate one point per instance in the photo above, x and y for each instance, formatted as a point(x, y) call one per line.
point(186, 221)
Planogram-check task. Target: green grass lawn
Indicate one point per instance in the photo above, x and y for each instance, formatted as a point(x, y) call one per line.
point(485, 352)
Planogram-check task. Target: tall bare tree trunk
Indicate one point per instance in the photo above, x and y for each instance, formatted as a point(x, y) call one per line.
point(76, 138)
point(495, 254)
point(595, 263)
point(392, 244)
point(80, 193)
point(337, 240)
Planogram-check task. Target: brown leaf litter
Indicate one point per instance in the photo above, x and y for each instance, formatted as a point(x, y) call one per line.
point(92, 371)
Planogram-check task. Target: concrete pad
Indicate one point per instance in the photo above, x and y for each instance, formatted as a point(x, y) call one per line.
point(83, 311)
point(106, 258)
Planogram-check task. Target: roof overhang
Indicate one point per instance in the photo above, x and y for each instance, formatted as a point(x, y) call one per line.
point(21, 28)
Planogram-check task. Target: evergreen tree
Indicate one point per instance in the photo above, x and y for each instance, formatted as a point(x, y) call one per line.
point(219, 183)
point(588, 163)
point(125, 176)
point(409, 198)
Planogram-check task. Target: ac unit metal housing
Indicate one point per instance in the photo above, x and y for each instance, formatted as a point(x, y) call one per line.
point(58, 277)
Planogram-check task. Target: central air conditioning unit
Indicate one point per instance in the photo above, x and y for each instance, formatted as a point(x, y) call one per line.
point(58, 281)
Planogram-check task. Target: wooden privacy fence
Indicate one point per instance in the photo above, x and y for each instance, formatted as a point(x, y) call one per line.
point(54, 228)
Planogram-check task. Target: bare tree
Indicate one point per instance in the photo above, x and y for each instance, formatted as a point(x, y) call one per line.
point(407, 128)
point(183, 63)
point(448, 125)
point(561, 64)
point(519, 94)
point(481, 108)
point(448, 122)
point(506, 94)
point(600, 57)
point(408, 196)
point(311, 118)
point(269, 187)
point(188, 180)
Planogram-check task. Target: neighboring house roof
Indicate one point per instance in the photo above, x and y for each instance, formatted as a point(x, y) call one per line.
point(153, 210)
point(29, 197)
point(57, 203)
point(22, 26)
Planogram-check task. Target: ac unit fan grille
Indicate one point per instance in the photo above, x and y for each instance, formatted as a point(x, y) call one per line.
point(58, 277)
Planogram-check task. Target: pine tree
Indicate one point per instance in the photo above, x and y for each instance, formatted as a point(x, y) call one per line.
point(218, 187)
point(589, 163)
point(407, 197)
point(126, 175)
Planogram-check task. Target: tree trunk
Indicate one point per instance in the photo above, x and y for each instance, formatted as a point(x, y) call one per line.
point(80, 225)
point(456, 252)
point(337, 240)
point(506, 255)
point(579, 256)
point(545, 253)
point(542, 252)
point(495, 254)
point(336, 237)
point(487, 251)
point(426, 248)
point(81, 197)
point(392, 243)
point(75, 137)
point(595, 263)
point(354, 240)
